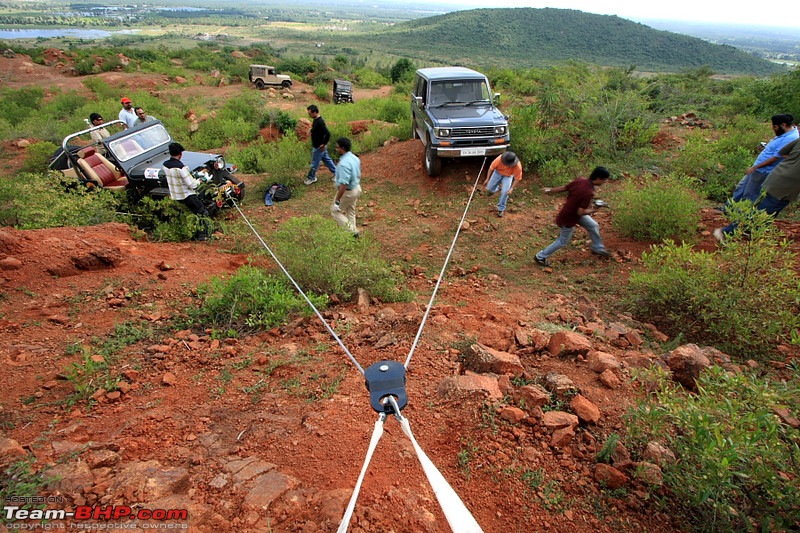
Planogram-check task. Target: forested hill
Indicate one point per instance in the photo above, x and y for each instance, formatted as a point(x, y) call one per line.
point(528, 37)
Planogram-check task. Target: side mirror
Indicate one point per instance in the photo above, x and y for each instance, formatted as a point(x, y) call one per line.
point(495, 98)
point(417, 99)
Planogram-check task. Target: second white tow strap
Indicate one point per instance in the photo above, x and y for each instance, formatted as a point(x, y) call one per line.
point(457, 514)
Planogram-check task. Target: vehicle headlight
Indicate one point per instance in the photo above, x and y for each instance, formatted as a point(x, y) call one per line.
point(500, 130)
point(219, 164)
point(442, 132)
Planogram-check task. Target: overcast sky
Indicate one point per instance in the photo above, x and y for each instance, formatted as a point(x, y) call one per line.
point(783, 14)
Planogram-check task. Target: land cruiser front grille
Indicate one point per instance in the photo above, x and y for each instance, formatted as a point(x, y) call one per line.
point(487, 131)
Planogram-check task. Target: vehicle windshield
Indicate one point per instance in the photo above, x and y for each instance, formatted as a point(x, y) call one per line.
point(459, 92)
point(140, 140)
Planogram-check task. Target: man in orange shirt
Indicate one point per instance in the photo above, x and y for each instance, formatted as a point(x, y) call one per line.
point(504, 173)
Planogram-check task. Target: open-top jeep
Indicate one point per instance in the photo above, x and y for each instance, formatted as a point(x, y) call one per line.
point(264, 75)
point(453, 112)
point(132, 160)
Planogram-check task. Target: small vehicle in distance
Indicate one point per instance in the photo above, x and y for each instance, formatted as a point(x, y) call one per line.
point(265, 75)
point(342, 92)
point(132, 160)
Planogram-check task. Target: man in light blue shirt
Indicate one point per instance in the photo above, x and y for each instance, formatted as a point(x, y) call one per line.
point(348, 186)
point(749, 188)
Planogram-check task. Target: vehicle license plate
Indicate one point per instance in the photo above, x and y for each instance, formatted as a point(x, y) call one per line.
point(472, 151)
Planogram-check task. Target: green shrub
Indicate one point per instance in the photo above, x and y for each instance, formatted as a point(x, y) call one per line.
point(370, 79)
point(394, 110)
point(37, 156)
point(719, 159)
point(742, 299)
point(285, 158)
point(323, 91)
point(48, 200)
point(324, 258)
point(250, 300)
point(660, 208)
point(217, 133)
point(282, 120)
point(164, 220)
point(17, 105)
point(739, 464)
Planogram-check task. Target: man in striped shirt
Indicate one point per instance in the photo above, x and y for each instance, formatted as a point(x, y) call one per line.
point(183, 186)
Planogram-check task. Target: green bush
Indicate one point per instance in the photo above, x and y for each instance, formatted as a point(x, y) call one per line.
point(282, 120)
point(284, 158)
point(250, 300)
point(164, 220)
point(370, 79)
point(658, 209)
point(738, 466)
point(323, 91)
point(719, 161)
point(742, 299)
point(48, 200)
point(324, 258)
point(37, 156)
point(394, 110)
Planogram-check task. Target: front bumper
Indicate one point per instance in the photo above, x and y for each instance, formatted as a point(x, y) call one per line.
point(471, 151)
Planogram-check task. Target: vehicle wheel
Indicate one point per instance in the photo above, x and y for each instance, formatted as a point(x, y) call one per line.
point(433, 163)
point(286, 84)
point(260, 84)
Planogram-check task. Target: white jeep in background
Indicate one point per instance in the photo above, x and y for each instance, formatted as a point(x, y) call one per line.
point(264, 75)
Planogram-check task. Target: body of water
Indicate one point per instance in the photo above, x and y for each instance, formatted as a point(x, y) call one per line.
point(52, 33)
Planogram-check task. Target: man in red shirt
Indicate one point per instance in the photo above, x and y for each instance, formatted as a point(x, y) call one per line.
point(576, 211)
point(503, 174)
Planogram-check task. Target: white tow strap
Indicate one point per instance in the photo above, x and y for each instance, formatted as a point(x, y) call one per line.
point(377, 433)
point(457, 514)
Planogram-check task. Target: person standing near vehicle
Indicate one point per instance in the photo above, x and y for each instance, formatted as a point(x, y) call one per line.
point(126, 114)
point(781, 187)
point(575, 211)
point(348, 186)
point(95, 119)
point(183, 186)
point(142, 117)
point(749, 187)
point(319, 145)
point(504, 173)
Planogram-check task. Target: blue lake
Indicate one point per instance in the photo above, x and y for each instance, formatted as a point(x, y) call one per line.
point(50, 33)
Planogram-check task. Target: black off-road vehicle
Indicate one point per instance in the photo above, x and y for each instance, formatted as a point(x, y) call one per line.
point(132, 160)
point(342, 92)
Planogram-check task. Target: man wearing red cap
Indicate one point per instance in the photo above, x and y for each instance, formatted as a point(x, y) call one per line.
point(126, 114)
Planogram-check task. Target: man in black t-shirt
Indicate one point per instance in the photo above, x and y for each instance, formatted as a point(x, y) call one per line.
point(319, 145)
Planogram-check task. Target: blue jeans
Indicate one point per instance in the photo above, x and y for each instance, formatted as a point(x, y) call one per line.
point(749, 188)
point(769, 204)
point(320, 155)
point(503, 183)
point(589, 224)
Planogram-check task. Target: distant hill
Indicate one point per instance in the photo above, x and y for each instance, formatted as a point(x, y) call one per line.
point(529, 37)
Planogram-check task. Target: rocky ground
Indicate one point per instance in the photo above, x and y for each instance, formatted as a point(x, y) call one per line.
point(517, 382)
